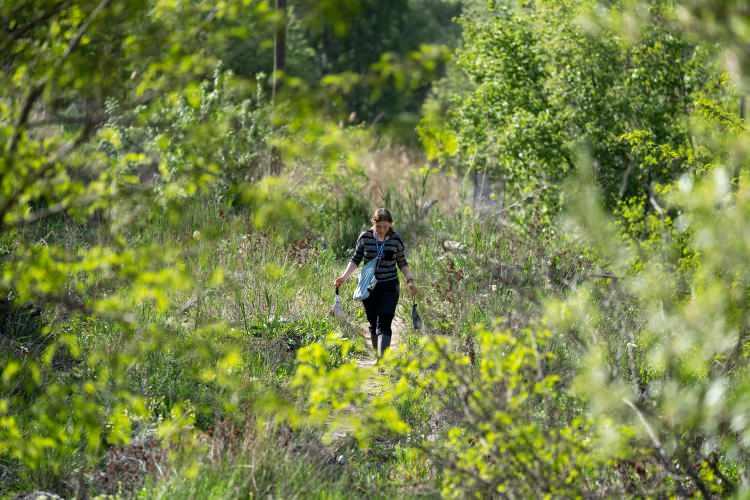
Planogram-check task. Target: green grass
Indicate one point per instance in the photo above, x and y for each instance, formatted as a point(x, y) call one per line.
point(273, 299)
point(271, 466)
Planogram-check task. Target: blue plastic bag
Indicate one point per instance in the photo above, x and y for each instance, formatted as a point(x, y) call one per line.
point(367, 276)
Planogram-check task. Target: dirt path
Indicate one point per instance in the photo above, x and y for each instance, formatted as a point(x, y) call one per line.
point(374, 383)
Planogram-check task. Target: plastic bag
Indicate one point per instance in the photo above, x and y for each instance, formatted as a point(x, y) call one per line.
point(416, 321)
point(367, 278)
point(366, 281)
point(336, 310)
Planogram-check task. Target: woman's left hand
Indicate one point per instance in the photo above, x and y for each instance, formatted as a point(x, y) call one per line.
point(412, 287)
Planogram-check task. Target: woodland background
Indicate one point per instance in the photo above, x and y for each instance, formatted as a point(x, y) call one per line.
point(181, 181)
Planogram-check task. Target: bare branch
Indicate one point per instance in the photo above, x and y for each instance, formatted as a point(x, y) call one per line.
point(34, 94)
point(649, 430)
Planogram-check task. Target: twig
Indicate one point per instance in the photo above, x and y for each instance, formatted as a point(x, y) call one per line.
point(649, 430)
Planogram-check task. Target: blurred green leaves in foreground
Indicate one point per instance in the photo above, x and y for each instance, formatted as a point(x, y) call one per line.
point(134, 161)
point(116, 120)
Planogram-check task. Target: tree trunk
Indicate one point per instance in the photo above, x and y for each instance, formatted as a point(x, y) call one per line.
point(742, 107)
point(279, 65)
point(279, 46)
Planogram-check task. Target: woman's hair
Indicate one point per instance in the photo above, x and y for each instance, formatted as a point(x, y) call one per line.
point(380, 215)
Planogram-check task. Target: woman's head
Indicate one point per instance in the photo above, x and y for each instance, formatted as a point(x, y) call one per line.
point(382, 221)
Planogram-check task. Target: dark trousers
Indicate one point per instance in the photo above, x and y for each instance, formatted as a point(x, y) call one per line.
point(380, 307)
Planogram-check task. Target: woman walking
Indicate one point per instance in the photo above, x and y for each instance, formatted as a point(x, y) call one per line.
point(380, 305)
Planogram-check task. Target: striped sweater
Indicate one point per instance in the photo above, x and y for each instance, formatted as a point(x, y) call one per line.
point(393, 253)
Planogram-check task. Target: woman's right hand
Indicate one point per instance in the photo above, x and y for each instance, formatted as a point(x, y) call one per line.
point(339, 281)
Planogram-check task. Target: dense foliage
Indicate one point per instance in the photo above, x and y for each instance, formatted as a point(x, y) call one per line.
point(173, 213)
